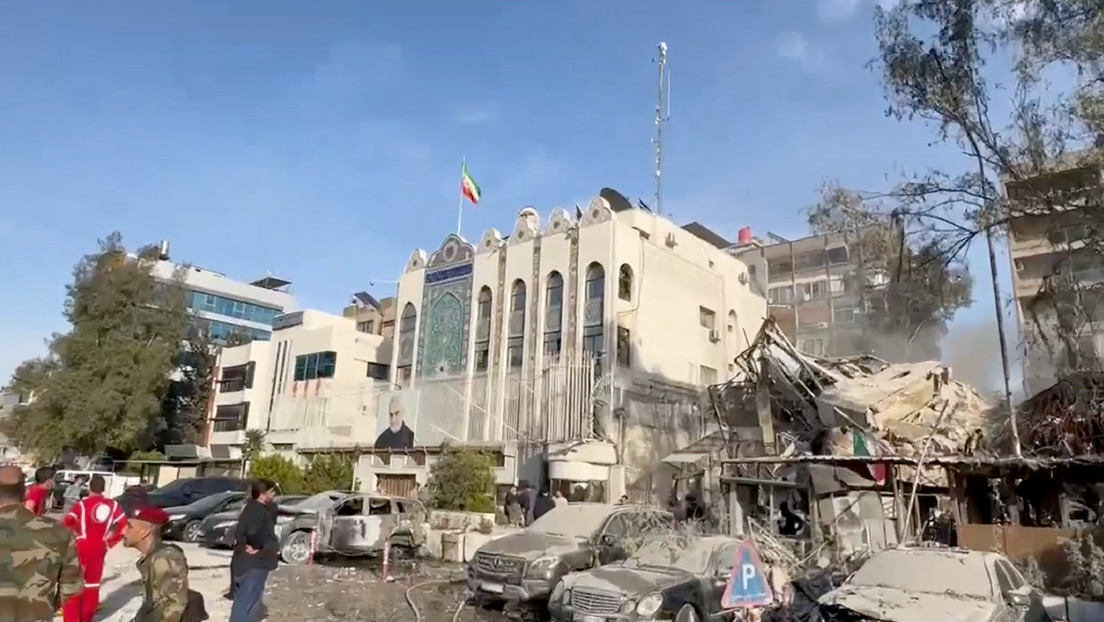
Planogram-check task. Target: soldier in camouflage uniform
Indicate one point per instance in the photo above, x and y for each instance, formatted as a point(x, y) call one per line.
point(163, 567)
point(39, 570)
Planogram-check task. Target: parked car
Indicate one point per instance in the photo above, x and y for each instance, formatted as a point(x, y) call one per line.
point(351, 525)
point(666, 579)
point(911, 583)
point(217, 530)
point(185, 520)
point(182, 491)
point(524, 567)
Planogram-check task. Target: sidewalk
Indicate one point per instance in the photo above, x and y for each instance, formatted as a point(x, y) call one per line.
point(121, 591)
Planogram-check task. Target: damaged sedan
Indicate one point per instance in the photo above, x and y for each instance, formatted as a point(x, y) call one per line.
point(353, 525)
point(523, 567)
point(927, 584)
point(669, 578)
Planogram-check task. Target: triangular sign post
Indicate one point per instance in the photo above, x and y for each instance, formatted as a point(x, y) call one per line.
point(748, 586)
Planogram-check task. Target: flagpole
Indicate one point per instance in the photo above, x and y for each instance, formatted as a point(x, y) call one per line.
point(460, 207)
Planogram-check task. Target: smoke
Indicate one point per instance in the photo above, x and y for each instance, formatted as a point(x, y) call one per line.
point(972, 349)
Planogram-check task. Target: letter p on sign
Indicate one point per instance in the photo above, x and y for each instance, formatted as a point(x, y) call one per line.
point(747, 585)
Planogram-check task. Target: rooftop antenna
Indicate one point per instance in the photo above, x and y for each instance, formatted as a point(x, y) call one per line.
point(663, 114)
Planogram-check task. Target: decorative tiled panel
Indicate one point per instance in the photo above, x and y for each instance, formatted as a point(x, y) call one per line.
point(446, 310)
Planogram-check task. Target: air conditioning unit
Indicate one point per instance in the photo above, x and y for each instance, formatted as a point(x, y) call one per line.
point(714, 335)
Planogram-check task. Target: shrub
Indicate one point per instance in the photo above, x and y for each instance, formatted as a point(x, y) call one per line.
point(463, 480)
point(329, 472)
point(284, 472)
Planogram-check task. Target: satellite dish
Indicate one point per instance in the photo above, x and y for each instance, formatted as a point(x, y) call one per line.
point(616, 200)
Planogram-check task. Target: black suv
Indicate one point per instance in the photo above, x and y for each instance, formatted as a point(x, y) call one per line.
point(182, 492)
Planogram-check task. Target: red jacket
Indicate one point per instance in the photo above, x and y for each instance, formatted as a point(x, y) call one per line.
point(98, 519)
point(38, 495)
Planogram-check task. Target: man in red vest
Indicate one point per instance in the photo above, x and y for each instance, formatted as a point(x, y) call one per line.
point(37, 499)
point(98, 524)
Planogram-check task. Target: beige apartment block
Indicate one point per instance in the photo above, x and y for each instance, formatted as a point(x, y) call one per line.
point(1055, 247)
point(373, 316)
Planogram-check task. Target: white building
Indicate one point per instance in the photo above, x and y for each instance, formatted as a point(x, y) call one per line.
point(307, 388)
point(576, 349)
point(226, 306)
point(9, 451)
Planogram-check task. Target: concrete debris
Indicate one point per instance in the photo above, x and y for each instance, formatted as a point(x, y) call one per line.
point(863, 405)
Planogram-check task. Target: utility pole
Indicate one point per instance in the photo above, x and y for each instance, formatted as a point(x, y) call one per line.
point(663, 114)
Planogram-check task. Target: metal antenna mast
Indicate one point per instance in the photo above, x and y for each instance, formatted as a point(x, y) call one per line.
point(663, 113)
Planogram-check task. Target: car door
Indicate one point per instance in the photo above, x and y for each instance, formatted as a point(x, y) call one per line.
point(611, 539)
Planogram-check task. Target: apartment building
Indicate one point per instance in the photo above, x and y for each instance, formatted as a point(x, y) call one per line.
point(1057, 268)
point(372, 316)
point(309, 388)
point(224, 306)
point(813, 288)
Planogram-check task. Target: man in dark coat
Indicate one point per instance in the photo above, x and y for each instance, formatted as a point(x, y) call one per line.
point(543, 505)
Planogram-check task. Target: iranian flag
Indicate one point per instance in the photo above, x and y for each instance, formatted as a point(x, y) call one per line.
point(468, 187)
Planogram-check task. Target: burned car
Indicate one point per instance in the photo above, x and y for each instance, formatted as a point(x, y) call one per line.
point(353, 525)
point(525, 566)
point(924, 584)
point(668, 578)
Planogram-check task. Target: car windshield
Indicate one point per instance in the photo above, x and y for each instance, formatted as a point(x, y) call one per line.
point(672, 553)
point(926, 572)
point(572, 521)
point(207, 504)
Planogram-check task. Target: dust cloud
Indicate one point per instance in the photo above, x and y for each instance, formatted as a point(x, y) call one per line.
point(972, 349)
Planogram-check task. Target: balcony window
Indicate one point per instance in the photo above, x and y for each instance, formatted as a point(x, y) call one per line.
point(237, 378)
point(231, 418)
point(315, 365)
point(366, 326)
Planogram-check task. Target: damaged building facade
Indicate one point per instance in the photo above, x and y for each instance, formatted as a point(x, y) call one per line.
point(576, 348)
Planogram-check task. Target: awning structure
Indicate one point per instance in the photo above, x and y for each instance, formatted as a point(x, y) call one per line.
point(679, 458)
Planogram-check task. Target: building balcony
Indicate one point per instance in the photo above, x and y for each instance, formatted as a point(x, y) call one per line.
point(233, 437)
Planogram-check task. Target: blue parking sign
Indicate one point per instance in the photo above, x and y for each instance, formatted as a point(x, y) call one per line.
point(748, 586)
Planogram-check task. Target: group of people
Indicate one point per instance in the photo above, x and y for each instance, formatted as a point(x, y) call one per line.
point(59, 566)
point(522, 503)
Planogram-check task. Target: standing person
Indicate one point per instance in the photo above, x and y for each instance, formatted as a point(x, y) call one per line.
point(37, 499)
point(256, 551)
point(98, 524)
point(559, 499)
point(39, 569)
point(163, 567)
point(526, 498)
point(543, 505)
point(73, 493)
point(512, 507)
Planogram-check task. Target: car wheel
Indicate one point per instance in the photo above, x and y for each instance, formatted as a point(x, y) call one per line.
point(191, 531)
point(687, 614)
point(297, 548)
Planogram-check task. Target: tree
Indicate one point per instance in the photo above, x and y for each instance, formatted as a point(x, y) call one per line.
point(280, 470)
point(329, 471)
point(934, 57)
point(103, 384)
point(911, 288)
point(463, 480)
point(184, 410)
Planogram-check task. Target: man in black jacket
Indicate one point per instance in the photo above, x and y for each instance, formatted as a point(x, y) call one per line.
point(256, 552)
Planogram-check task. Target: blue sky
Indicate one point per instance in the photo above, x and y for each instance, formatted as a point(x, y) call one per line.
point(321, 141)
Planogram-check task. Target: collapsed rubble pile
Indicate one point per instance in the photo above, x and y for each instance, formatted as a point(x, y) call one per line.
point(863, 405)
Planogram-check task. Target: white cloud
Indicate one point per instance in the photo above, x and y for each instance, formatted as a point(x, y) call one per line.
point(793, 46)
point(476, 113)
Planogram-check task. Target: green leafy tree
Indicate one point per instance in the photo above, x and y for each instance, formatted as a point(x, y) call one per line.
point(280, 470)
point(134, 462)
point(103, 384)
point(184, 410)
point(329, 471)
point(463, 480)
point(253, 446)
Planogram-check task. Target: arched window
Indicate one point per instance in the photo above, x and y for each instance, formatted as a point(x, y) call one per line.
point(553, 315)
point(625, 282)
point(594, 297)
point(408, 324)
point(484, 310)
point(515, 342)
